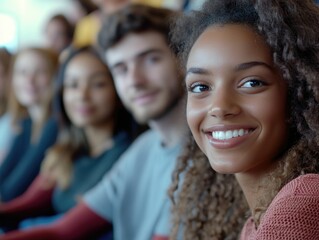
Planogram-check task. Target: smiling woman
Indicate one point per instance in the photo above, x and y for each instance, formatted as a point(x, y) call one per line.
point(252, 108)
point(237, 90)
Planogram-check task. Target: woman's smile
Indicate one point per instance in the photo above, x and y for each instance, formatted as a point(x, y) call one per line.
point(223, 137)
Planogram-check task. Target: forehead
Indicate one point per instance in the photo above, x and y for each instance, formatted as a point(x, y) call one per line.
point(28, 57)
point(56, 24)
point(84, 57)
point(134, 44)
point(232, 43)
point(85, 62)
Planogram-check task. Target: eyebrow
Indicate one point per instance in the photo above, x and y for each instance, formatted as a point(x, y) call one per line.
point(146, 52)
point(140, 55)
point(196, 70)
point(244, 66)
point(240, 67)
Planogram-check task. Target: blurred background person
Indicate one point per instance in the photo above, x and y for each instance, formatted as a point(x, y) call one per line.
point(23, 26)
point(58, 33)
point(95, 129)
point(6, 134)
point(132, 197)
point(30, 110)
point(82, 8)
point(87, 28)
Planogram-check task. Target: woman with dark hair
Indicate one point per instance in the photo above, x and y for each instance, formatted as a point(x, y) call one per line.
point(95, 130)
point(252, 108)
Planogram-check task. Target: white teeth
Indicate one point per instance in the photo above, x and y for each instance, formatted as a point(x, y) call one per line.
point(229, 134)
point(235, 133)
point(222, 135)
point(241, 132)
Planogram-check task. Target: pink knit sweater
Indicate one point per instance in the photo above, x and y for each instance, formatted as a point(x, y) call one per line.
point(292, 215)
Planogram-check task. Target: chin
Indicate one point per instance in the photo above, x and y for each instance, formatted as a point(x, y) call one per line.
point(222, 171)
point(141, 119)
point(223, 168)
point(144, 118)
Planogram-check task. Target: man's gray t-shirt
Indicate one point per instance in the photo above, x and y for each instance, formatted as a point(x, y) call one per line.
point(133, 195)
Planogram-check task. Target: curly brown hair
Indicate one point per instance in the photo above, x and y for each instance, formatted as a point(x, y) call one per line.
point(209, 205)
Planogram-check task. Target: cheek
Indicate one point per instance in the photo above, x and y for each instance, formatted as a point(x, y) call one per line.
point(15, 87)
point(18, 88)
point(17, 83)
point(107, 92)
point(273, 110)
point(107, 101)
point(271, 115)
point(195, 116)
point(120, 89)
point(43, 82)
point(172, 77)
point(67, 100)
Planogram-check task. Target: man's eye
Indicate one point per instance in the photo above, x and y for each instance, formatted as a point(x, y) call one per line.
point(253, 83)
point(152, 59)
point(119, 70)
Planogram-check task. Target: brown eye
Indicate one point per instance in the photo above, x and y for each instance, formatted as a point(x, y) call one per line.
point(119, 70)
point(198, 88)
point(252, 83)
point(70, 83)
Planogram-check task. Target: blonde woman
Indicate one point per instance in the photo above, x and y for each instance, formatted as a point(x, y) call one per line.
point(30, 103)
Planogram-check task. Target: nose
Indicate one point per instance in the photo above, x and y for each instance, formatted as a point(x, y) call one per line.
point(83, 92)
point(223, 104)
point(136, 76)
point(30, 77)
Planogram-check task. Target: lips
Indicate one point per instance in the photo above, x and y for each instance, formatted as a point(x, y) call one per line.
point(228, 136)
point(144, 98)
point(84, 110)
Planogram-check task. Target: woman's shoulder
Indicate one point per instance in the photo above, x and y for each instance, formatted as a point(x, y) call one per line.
point(294, 212)
point(5, 124)
point(300, 190)
point(304, 185)
point(51, 122)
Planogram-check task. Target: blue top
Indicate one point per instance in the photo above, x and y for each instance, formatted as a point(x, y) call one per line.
point(6, 135)
point(133, 195)
point(87, 172)
point(22, 164)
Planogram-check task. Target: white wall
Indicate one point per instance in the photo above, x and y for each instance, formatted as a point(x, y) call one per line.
point(31, 16)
